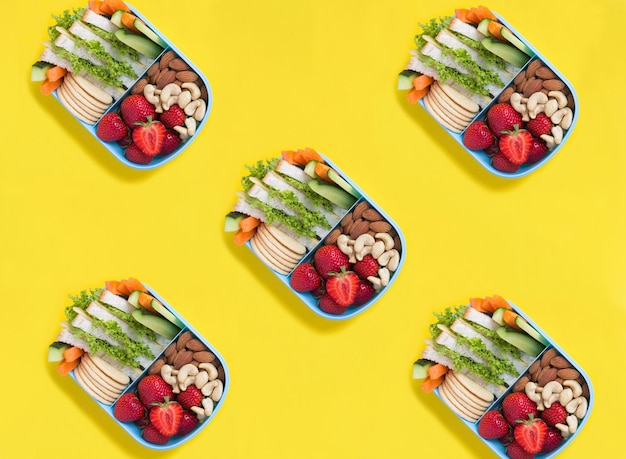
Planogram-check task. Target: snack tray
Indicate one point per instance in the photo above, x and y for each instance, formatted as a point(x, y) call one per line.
point(352, 311)
point(175, 441)
point(116, 150)
point(524, 169)
point(495, 445)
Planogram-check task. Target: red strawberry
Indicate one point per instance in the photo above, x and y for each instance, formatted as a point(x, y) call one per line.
point(366, 267)
point(149, 136)
point(111, 128)
point(554, 415)
point(128, 408)
point(305, 278)
point(190, 397)
point(493, 425)
point(135, 155)
point(499, 162)
point(152, 435)
point(516, 406)
point(364, 292)
point(329, 259)
point(170, 143)
point(478, 136)
point(538, 150)
point(153, 389)
point(492, 150)
point(327, 304)
point(342, 287)
point(515, 451)
point(540, 125)
point(126, 141)
point(136, 109)
point(166, 417)
point(319, 291)
point(508, 438)
point(173, 116)
point(515, 145)
point(188, 422)
point(144, 421)
point(502, 117)
point(531, 434)
point(553, 439)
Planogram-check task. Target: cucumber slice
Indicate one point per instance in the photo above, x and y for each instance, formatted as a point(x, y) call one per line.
point(524, 325)
point(56, 350)
point(483, 27)
point(521, 341)
point(309, 169)
point(139, 43)
point(38, 71)
point(148, 32)
point(156, 323)
point(334, 176)
point(232, 221)
point(334, 194)
point(519, 44)
point(116, 18)
point(405, 79)
point(133, 298)
point(420, 368)
point(158, 307)
point(498, 316)
point(506, 51)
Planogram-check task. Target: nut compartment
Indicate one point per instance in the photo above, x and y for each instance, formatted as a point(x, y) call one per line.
point(381, 222)
point(186, 69)
point(201, 345)
point(481, 156)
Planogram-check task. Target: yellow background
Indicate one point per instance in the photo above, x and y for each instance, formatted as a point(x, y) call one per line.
point(290, 74)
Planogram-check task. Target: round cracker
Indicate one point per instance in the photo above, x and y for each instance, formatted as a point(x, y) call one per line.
point(471, 401)
point(286, 240)
point(92, 89)
point(457, 407)
point(473, 387)
point(87, 111)
point(109, 369)
point(70, 105)
point(84, 96)
point(459, 98)
point(434, 111)
point(267, 259)
point(102, 378)
point(102, 388)
point(287, 264)
point(288, 257)
point(446, 113)
point(87, 387)
point(455, 110)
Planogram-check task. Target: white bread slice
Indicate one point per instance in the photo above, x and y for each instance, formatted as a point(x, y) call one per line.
point(116, 301)
point(480, 318)
point(98, 20)
point(99, 311)
point(66, 336)
point(466, 29)
point(80, 30)
point(292, 171)
point(245, 208)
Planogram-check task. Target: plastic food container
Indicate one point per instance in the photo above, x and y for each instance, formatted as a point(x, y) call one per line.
point(551, 360)
point(518, 83)
point(155, 67)
point(219, 363)
point(346, 226)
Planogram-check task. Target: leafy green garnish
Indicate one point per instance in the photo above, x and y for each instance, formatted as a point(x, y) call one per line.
point(82, 301)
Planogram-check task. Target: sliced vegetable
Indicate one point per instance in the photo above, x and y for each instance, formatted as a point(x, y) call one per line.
point(420, 368)
point(422, 82)
point(232, 221)
point(64, 367)
point(437, 370)
point(429, 384)
point(55, 351)
point(128, 20)
point(509, 317)
point(414, 95)
point(73, 353)
point(38, 71)
point(249, 224)
point(241, 237)
point(47, 87)
point(321, 170)
point(112, 286)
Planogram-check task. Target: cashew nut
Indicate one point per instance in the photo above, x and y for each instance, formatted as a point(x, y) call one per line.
point(207, 404)
point(383, 274)
point(362, 241)
point(366, 251)
point(196, 108)
point(516, 102)
point(386, 238)
point(567, 119)
point(549, 140)
point(572, 406)
point(193, 88)
point(535, 101)
point(558, 116)
point(564, 429)
point(582, 408)
point(386, 257)
point(186, 375)
point(168, 373)
point(557, 133)
point(208, 388)
point(169, 95)
point(560, 98)
point(531, 392)
point(576, 387)
point(151, 93)
point(210, 369)
point(201, 379)
point(566, 396)
point(182, 132)
point(378, 248)
point(190, 124)
point(376, 283)
point(217, 391)
point(184, 98)
point(394, 261)
point(572, 423)
point(199, 412)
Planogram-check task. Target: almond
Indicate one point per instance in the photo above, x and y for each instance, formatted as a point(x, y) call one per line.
point(183, 357)
point(138, 87)
point(532, 68)
point(568, 373)
point(397, 243)
point(178, 64)
point(347, 220)
point(186, 76)
point(519, 80)
point(553, 85)
point(545, 73)
point(546, 375)
point(560, 362)
point(358, 228)
point(505, 95)
point(547, 357)
point(166, 59)
point(359, 209)
point(204, 356)
point(372, 215)
point(155, 368)
point(165, 77)
point(182, 340)
point(170, 352)
point(532, 86)
point(520, 385)
point(534, 370)
point(153, 72)
point(380, 226)
point(332, 237)
point(195, 345)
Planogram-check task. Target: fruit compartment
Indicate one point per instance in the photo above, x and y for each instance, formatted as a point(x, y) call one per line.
point(386, 224)
point(481, 156)
point(219, 363)
point(117, 149)
point(551, 349)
